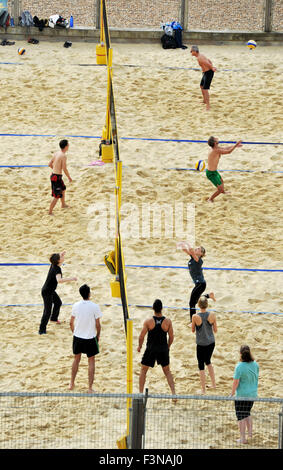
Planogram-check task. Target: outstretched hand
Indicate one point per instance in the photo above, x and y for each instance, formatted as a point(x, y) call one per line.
point(182, 245)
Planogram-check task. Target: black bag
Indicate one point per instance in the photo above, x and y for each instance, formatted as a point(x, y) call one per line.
point(178, 38)
point(4, 17)
point(40, 24)
point(168, 42)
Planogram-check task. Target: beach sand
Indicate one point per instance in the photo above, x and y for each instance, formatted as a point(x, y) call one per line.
point(157, 96)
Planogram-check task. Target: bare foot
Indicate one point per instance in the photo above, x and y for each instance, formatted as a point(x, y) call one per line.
point(190, 325)
point(90, 390)
point(212, 296)
point(174, 400)
point(65, 206)
point(71, 386)
point(209, 200)
point(50, 213)
point(242, 441)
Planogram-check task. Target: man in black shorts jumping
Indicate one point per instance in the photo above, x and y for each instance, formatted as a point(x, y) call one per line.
point(157, 347)
point(207, 74)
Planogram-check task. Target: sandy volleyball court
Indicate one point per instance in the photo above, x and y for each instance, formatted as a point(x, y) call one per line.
point(157, 94)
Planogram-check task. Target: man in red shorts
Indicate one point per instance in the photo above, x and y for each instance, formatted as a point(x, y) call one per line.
point(59, 164)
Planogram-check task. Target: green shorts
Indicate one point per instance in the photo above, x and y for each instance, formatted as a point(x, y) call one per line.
point(214, 177)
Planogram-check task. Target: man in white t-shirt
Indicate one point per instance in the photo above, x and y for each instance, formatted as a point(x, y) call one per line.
point(85, 325)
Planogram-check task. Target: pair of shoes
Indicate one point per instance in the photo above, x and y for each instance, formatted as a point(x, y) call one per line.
point(33, 41)
point(7, 43)
point(67, 44)
point(42, 332)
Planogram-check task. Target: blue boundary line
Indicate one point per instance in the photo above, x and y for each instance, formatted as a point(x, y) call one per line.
point(213, 269)
point(150, 307)
point(157, 267)
point(139, 138)
point(167, 169)
point(23, 166)
point(231, 171)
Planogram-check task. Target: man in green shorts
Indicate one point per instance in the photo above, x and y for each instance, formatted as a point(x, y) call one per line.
point(212, 164)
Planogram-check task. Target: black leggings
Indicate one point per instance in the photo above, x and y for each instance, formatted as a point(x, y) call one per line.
point(195, 295)
point(204, 354)
point(50, 300)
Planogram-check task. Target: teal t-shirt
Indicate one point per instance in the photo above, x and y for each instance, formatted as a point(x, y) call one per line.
point(247, 374)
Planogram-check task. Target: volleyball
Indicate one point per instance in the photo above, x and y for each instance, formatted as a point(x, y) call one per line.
point(251, 44)
point(21, 51)
point(200, 165)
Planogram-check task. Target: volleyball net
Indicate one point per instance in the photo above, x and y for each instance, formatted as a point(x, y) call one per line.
point(109, 151)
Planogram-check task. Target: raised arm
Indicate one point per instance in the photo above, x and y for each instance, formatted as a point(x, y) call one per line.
point(227, 150)
point(185, 246)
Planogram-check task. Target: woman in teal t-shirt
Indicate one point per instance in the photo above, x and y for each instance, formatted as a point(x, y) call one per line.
point(245, 385)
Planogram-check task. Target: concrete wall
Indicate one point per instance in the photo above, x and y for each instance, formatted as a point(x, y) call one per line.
point(83, 11)
point(200, 15)
point(277, 15)
point(226, 15)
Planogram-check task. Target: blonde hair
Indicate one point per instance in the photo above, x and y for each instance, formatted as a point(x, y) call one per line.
point(203, 303)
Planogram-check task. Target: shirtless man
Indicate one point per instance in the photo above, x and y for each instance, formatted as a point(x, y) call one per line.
point(207, 74)
point(59, 164)
point(212, 164)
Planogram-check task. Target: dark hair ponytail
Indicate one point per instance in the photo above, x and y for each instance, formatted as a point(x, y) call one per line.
point(246, 355)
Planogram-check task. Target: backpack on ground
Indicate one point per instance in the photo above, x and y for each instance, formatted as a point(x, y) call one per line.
point(168, 42)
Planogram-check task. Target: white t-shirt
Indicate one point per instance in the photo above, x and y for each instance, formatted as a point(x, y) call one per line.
point(85, 313)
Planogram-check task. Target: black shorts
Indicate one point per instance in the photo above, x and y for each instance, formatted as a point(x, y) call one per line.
point(150, 356)
point(57, 186)
point(206, 79)
point(243, 409)
point(85, 346)
point(204, 354)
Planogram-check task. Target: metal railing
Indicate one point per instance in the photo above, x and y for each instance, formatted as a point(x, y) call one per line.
point(98, 421)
